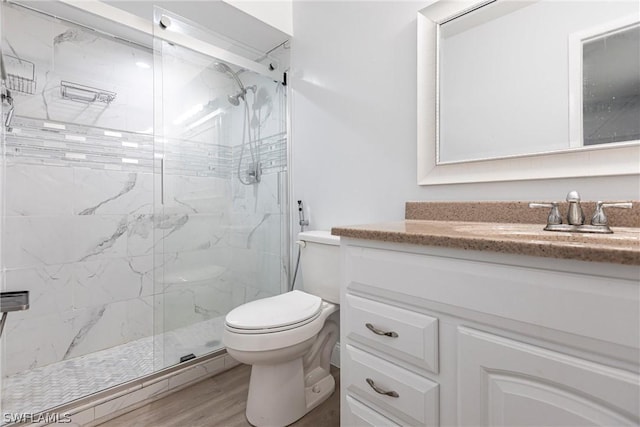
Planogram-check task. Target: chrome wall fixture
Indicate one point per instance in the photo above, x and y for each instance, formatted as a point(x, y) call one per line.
point(12, 301)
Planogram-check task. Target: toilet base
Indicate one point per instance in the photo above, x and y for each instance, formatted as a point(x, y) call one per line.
point(274, 393)
point(320, 391)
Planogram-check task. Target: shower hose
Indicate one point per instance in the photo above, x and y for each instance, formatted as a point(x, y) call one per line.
point(302, 223)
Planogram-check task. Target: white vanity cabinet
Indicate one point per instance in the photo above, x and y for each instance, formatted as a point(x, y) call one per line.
point(473, 338)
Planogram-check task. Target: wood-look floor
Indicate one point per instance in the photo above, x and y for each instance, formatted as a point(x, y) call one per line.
point(219, 401)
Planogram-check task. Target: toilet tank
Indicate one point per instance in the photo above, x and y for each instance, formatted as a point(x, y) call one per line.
point(320, 264)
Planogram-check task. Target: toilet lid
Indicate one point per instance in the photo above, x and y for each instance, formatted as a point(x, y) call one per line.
point(275, 312)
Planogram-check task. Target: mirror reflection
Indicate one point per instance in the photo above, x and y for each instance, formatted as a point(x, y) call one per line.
point(520, 78)
point(611, 87)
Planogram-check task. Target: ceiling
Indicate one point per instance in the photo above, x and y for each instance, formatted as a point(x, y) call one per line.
point(224, 25)
point(226, 21)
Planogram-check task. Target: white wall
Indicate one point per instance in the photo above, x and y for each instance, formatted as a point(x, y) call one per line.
point(353, 82)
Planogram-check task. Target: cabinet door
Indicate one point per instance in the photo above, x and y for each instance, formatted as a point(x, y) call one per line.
point(503, 382)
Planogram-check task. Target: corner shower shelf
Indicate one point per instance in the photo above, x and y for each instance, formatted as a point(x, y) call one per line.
point(21, 75)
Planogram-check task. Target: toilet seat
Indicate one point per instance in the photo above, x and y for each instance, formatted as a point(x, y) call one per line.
point(279, 313)
point(264, 340)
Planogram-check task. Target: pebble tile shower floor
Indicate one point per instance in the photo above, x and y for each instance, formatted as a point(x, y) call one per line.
point(43, 388)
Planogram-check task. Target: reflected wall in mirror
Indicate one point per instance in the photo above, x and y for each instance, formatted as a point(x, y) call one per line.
point(506, 84)
point(505, 77)
point(611, 86)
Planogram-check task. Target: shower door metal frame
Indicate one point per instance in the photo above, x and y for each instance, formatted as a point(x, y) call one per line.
point(127, 19)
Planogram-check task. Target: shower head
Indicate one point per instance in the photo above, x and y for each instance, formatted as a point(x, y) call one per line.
point(235, 99)
point(221, 67)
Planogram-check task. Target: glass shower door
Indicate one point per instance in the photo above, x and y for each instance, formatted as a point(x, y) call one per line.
point(220, 209)
point(77, 181)
point(133, 246)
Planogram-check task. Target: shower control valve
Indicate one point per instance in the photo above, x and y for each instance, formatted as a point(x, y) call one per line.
point(254, 173)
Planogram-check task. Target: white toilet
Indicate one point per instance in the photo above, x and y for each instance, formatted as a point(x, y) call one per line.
point(288, 340)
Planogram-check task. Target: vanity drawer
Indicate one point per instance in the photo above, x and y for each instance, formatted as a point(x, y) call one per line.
point(414, 335)
point(361, 415)
point(416, 400)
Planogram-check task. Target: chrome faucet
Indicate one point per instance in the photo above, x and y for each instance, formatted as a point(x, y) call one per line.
point(575, 215)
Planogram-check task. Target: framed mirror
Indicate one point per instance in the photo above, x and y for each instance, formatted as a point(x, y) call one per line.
point(513, 90)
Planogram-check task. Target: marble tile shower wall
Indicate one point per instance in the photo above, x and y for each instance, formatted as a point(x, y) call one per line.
point(103, 264)
point(87, 244)
point(89, 276)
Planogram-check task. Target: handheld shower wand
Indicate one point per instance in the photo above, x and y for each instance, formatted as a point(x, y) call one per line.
point(7, 122)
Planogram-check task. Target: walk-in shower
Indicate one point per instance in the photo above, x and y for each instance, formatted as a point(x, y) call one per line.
point(144, 195)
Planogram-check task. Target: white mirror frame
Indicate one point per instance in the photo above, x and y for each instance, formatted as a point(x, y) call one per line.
point(603, 160)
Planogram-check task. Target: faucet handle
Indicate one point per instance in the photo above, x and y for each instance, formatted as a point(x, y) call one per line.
point(600, 218)
point(554, 217)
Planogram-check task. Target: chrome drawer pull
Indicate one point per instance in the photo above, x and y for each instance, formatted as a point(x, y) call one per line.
point(379, 332)
point(381, 391)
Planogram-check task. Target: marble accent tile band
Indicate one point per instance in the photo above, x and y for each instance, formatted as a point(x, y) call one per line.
point(34, 141)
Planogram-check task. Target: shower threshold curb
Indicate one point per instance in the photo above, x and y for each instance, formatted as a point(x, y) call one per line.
point(110, 403)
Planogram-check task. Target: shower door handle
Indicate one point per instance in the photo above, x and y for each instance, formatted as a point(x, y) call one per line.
point(279, 187)
point(162, 180)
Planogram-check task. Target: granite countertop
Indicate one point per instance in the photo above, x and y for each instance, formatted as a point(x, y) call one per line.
point(622, 247)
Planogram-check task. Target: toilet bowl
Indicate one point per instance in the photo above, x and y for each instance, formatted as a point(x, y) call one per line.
point(288, 339)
